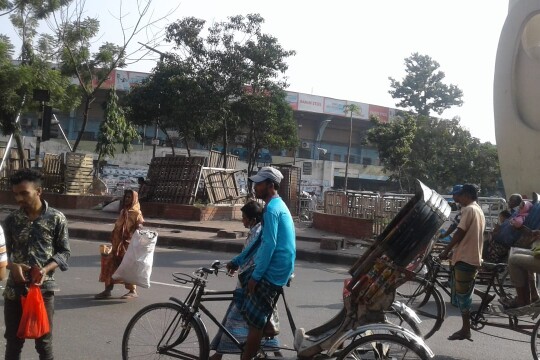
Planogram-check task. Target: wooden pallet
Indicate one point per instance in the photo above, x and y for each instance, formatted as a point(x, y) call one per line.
point(174, 179)
point(78, 173)
point(221, 186)
point(215, 160)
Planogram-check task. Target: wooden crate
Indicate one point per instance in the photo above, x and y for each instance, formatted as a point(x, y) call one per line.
point(174, 179)
point(221, 186)
point(78, 173)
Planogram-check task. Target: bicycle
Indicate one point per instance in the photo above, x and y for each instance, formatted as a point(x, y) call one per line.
point(532, 328)
point(175, 329)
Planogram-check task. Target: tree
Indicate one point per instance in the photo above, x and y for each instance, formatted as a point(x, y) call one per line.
point(75, 35)
point(438, 152)
point(422, 89)
point(266, 120)
point(235, 55)
point(114, 129)
point(394, 141)
point(17, 82)
point(172, 98)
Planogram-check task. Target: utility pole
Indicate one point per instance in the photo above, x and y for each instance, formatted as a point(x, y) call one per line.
point(42, 96)
point(155, 140)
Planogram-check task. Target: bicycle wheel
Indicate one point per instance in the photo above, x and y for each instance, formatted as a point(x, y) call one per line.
point(161, 331)
point(430, 308)
point(535, 341)
point(412, 288)
point(383, 346)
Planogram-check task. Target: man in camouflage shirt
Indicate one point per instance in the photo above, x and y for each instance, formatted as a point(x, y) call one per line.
point(37, 243)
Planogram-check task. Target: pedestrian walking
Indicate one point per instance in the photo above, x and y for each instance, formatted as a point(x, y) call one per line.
point(37, 243)
point(467, 245)
point(274, 259)
point(127, 223)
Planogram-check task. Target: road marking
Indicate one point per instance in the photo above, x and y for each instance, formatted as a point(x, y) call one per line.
point(171, 285)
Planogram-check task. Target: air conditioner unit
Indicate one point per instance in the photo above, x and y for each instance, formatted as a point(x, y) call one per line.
point(305, 145)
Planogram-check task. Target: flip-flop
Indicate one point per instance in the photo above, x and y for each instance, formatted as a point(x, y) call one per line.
point(103, 296)
point(129, 295)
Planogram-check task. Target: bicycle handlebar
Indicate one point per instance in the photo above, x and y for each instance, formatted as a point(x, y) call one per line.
point(199, 274)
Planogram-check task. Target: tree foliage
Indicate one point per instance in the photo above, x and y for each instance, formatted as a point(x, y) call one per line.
point(114, 129)
point(76, 33)
point(234, 56)
point(438, 152)
point(266, 121)
point(394, 142)
point(422, 89)
point(34, 71)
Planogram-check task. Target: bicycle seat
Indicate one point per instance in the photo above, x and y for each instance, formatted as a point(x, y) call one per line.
point(290, 280)
point(493, 266)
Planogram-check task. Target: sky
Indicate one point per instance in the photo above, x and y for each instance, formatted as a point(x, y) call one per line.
point(347, 49)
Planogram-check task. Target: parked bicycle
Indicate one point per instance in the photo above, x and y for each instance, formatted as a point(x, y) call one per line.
point(176, 329)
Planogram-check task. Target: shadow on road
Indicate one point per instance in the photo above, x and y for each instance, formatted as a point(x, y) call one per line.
point(331, 306)
point(66, 302)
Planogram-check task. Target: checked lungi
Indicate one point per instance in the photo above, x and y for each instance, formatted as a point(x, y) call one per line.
point(257, 307)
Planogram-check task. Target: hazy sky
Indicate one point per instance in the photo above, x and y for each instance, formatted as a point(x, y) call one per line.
point(348, 49)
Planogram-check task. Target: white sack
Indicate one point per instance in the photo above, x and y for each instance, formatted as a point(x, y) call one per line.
point(136, 266)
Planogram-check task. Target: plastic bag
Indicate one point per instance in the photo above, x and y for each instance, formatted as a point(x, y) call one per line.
point(136, 266)
point(34, 320)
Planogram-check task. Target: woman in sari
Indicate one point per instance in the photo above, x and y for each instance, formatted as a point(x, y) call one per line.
point(127, 223)
point(234, 320)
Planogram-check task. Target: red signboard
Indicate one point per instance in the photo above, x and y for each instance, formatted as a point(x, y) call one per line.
point(380, 112)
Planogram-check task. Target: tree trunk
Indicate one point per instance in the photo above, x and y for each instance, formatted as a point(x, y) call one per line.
point(87, 103)
point(225, 138)
point(22, 154)
point(169, 140)
point(187, 147)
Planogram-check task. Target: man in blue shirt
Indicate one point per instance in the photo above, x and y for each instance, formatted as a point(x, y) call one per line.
point(274, 260)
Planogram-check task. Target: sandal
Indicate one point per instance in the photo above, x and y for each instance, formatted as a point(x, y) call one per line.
point(129, 295)
point(103, 295)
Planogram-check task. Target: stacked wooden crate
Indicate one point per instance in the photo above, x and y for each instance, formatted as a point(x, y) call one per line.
point(13, 164)
point(53, 173)
point(175, 179)
point(78, 173)
point(290, 186)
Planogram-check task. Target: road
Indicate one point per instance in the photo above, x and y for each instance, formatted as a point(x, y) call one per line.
point(90, 329)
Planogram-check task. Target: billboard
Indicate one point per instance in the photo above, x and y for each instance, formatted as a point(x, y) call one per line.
point(334, 106)
point(381, 112)
point(311, 103)
point(125, 80)
point(363, 110)
point(292, 99)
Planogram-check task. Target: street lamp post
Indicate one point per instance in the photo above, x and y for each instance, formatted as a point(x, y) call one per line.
point(317, 144)
point(353, 108)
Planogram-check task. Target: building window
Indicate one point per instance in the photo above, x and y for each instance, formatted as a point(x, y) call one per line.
point(307, 168)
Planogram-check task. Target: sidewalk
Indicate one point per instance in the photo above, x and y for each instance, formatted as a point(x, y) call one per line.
point(223, 236)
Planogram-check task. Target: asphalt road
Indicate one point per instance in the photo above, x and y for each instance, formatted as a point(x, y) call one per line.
point(89, 329)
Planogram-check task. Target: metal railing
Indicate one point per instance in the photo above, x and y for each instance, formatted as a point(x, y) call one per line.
point(383, 208)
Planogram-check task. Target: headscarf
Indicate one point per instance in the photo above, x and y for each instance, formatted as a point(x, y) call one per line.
point(129, 215)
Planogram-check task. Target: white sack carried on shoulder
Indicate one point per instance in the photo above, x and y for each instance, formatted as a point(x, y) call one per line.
point(136, 266)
